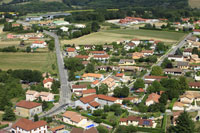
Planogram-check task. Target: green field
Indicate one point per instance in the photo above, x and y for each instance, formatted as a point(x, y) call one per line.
point(35, 61)
point(108, 36)
point(194, 3)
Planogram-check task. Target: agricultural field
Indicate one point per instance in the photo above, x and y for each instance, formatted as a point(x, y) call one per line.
point(194, 3)
point(108, 36)
point(36, 61)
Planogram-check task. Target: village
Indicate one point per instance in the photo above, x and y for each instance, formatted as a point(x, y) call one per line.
point(135, 82)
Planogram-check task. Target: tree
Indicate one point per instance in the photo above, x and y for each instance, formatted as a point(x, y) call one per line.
point(102, 129)
point(28, 49)
point(9, 115)
point(95, 26)
point(139, 83)
point(90, 68)
point(51, 45)
point(121, 91)
point(163, 99)
point(71, 76)
point(36, 118)
point(152, 59)
point(157, 86)
point(195, 51)
point(184, 124)
point(106, 108)
point(44, 105)
point(55, 87)
point(103, 89)
point(157, 71)
point(166, 64)
point(178, 52)
point(183, 84)
point(161, 47)
point(74, 64)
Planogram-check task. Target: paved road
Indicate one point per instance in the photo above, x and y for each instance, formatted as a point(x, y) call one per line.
point(65, 91)
point(171, 52)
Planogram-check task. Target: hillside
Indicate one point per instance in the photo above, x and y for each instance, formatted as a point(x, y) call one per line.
point(194, 3)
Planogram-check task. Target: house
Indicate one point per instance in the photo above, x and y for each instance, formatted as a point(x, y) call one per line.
point(195, 67)
point(152, 99)
point(137, 55)
point(82, 57)
point(58, 128)
point(129, 46)
point(173, 71)
point(77, 89)
point(187, 52)
point(175, 116)
point(80, 25)
point(120, 75)
point(73, 118)
point(31, 95)
point(88, 92)
point(60, 22)
point(110, 47)
point(71, 52)
point(183, 65)
point(93, 102)
point(80, 130)
point(97, 53)
point(186, 98)
point(195, 85)
point(194, 58)
point(48, 82)
point(131, 99)
point(107, 68)
point(147, 52)
point(92, 76)
point(175, 57)
point(27, 126)
point(153, 78)
point(104, 57)
point(192, 39)
point(126, 62)
point(110, 82)
point(39, 44)
point(129, 68)
point(178, 106)
point(137, 121)
point(89, 47)
point(196, 32)
point(140, 90)
point(64, 29)
point(195, 45)
point(28, 108)
point(95, 83)
point(135, 41)
point(46, 96)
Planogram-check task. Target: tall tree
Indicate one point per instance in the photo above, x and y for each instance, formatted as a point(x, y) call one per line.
point(90, 68)
point(36, 118)
point(184, 124)
point(9, 115)
point(157, 71)
point(139, 83)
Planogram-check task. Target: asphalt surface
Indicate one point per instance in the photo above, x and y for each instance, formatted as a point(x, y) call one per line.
point(65, 91)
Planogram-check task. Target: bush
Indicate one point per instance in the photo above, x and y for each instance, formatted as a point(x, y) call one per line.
point(3, 126)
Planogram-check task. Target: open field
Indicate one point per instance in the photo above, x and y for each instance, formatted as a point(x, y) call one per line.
point(108, 36)
point(194, 3)
point(34, 61)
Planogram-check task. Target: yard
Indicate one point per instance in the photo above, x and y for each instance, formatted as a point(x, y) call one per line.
point(21, 60)
point(108, 36)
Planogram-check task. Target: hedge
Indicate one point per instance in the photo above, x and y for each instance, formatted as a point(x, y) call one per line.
point(93, 118)
point(3, 126)
point(164, 121)
point(151, 130)
point(172, 103)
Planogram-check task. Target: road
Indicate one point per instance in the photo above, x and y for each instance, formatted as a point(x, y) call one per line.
point(65, 91)
point(170, 52)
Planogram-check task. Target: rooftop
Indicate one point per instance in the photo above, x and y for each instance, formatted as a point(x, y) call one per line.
point(27, 104)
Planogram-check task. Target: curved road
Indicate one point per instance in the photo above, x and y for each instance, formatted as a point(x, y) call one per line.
point(65, 91)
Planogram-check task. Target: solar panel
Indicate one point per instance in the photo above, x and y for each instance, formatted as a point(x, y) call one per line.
point(146, 122)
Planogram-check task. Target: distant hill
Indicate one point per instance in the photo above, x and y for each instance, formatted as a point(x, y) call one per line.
point(59, 5)
point(194, 3)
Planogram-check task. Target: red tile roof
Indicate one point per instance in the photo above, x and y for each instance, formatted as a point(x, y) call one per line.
point(27, 104)
point(119, 75)
point(88, 99)
point(155, 77)
point(89, 91)
point(123, 120)
point(47, 80)
point(28, 125)
point(57, 128)
point(71, 49)
point(133, 118)
point(140, 90)
point(147, 51)
point(196, 30)
point(107, 98)
point(98, 52)
point(153, 97)
point(95, 82)
point(78, 86)
point(82, 56)
point(94, 104)
point(197, 84)
point(38, 42)
point(101, 56)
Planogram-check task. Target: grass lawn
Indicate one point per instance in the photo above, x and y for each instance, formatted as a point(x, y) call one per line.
point(111, 117)
point(34, 61)
point(108, 36)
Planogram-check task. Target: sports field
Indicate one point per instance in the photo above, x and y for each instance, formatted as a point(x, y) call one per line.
point(34, 61)
point(108, 36)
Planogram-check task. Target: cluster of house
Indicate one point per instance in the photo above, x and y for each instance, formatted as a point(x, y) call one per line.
point(187, 101)
point(137, 121)
point(34, 95)
point(27, 36)
point(136, 20)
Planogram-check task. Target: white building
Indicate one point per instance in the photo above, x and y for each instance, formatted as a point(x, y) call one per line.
point(65, 29)
point(28, 126)
point(79, 25)
point(39, 44)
